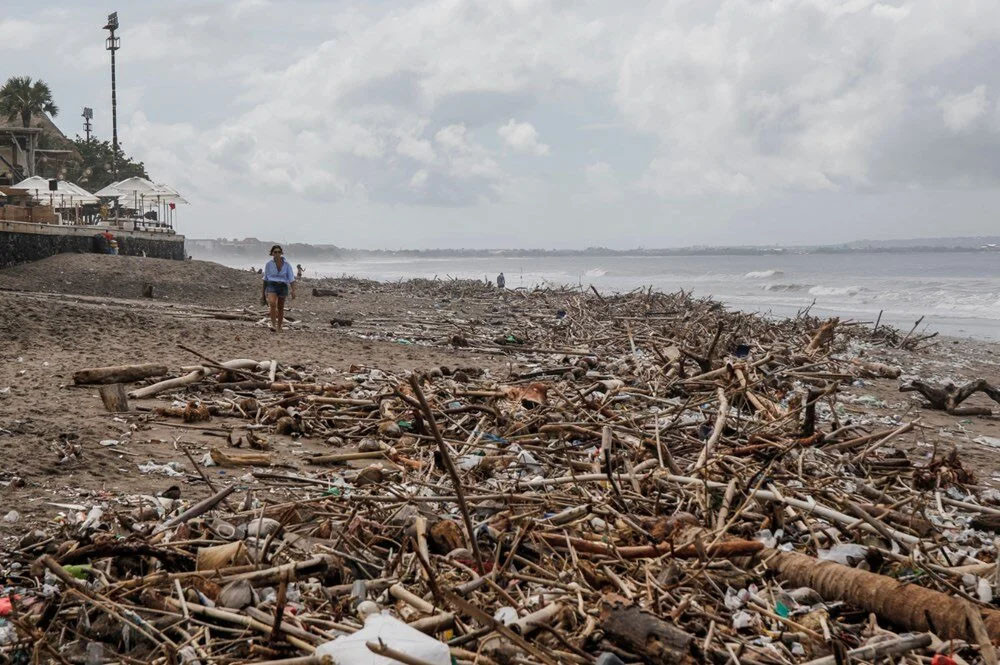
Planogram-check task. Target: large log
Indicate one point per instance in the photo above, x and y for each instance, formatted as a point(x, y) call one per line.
point(907, 606)
point(644, 633)
point(118, 374)
point(114, 397)
point(169, 384)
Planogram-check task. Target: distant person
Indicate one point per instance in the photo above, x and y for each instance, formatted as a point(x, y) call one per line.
point(299, 270)
point(501, 281)
point(109, 246)
point(278, 281)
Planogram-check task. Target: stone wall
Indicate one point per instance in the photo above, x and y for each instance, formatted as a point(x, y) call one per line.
point(21, 243)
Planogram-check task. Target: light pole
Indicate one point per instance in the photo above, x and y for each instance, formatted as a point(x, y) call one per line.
point(88, 114)
point(113, 44)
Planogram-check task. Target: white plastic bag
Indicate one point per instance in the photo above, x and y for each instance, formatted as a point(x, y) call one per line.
point(351, 649)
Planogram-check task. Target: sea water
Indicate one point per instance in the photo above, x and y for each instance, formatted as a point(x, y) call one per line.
point(957, 293)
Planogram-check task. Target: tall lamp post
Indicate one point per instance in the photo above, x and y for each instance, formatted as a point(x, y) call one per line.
point(112, 44)
point(88, 114)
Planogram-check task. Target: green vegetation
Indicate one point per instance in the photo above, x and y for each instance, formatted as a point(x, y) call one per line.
point(93, 170)
point(22, 98)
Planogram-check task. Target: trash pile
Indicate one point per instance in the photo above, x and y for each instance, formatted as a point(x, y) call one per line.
point(659, 481)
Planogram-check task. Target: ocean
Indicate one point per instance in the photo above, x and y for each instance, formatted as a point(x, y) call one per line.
point(957, 293)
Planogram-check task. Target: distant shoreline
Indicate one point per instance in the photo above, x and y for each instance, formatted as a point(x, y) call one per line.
point(252, 248)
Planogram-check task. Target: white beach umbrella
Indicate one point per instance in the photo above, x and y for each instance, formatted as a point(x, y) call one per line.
point(65, 194)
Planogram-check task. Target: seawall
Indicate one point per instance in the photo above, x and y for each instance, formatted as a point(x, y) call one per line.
point(21, 242)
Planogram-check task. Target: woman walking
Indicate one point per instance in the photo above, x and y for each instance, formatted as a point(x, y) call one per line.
point(278, 280)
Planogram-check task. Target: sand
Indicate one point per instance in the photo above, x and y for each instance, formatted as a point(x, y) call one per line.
point(74, 311)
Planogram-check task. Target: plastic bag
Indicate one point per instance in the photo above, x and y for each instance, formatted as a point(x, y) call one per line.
point(351, 649)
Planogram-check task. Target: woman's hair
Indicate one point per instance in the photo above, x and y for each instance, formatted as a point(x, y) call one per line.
point(276, 247)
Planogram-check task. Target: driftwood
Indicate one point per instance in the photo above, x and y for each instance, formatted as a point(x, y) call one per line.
point(643, 633)
point(949, 397)
point(230, 458)
point(882, 649)
point(908, 606)
point(118, 374)
point(528, 495)
point(114, 398)
point(325, 293)
point(873, 370)
point(823, 336)
point(729, 548)
point(169, 384)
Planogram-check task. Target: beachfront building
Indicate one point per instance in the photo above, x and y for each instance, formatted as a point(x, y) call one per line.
point(39, 149)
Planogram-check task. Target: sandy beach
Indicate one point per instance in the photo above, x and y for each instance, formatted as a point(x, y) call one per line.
point(72, 311)
point(65, 454)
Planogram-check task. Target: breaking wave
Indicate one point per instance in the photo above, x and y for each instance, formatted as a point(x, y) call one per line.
point(596, 272)
point(835, 290)
point(763, 274)
point(785, 287)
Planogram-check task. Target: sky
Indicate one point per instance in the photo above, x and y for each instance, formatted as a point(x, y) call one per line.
point(542, 123)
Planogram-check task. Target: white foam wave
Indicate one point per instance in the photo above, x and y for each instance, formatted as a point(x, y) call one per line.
point(835, 290)
point(596, 272)
point(785, 287)
point(763, 274)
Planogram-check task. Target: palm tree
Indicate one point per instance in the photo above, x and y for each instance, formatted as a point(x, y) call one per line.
point(20, 97)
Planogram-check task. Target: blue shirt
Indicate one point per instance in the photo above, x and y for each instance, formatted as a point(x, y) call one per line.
point(272, 274)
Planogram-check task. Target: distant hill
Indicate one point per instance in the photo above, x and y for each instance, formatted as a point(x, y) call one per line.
point(972, 242)
point(252, 248)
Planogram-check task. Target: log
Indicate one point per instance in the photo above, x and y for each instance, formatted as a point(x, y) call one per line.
point(871, 370)
point(907, 606)
point(118, 373)
point(880, 650)
point(949, 397)
point(169, 384)
point(823, 336)
point(643, 633)
point(728, 548)
point(224, 458)
point(197, 509)
point(325, 293)
point(114, 397)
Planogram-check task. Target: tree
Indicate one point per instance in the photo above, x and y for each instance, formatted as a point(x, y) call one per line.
point(93, 170)
point(20, 97)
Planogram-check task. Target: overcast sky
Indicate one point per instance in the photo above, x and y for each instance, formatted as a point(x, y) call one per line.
point(543, 123)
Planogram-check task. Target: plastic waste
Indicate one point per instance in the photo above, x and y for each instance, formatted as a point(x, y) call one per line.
point(506, 615)
point(847, 554)
point(394, 634)
point(608, 658)
point(169, 469)
point(95, 653)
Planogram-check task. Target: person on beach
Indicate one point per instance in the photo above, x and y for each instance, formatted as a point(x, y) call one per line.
point(501, 281)
point(278, 281)
point(299, 270)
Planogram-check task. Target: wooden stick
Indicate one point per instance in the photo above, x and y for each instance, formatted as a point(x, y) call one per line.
point(452, 471)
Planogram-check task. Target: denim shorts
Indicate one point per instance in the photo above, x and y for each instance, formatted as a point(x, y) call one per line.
point(280, 289)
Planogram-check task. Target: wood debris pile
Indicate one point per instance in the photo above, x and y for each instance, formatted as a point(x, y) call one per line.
point(660, 481)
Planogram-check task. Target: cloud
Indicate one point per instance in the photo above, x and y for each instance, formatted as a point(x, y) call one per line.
point(16, 34)
point(960, 112)
point(522, 137)
point(417, 109)
point(764, 98)
point(603, 184)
